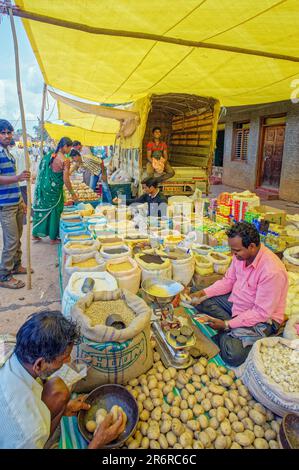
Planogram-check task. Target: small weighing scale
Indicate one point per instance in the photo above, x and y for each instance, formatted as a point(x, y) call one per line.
point(160, 293)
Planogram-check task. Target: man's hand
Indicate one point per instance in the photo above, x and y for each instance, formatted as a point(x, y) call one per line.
point(75, 197)
point(198, 297)
point(116, 200)
point(74, 406)
point(107, 432)
point(216, 324)
point(24, 176)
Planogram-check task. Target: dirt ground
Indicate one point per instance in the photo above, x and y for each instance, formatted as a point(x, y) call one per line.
point(17, 305)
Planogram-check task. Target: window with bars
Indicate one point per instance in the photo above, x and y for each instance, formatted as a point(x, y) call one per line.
point(240, 141)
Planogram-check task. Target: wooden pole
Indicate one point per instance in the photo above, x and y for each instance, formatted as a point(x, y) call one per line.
point(42, 120)
point(147, 36)
point(27, 160)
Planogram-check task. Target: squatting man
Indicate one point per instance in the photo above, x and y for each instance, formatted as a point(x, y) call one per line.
point(31, 403)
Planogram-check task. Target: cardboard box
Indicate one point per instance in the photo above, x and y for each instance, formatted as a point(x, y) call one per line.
point(273, 215)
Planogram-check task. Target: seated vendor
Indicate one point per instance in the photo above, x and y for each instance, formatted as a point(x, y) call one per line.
point(249, 302)
point(157, 156)
point(157, 202)
point(31, 405)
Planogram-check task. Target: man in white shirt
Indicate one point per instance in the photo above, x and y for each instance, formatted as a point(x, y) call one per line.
point(31, 407)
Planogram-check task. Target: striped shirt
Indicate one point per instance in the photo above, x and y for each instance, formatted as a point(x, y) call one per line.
point(10, 194)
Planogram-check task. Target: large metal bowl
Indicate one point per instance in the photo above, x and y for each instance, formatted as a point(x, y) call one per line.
point(106, 396)
point(289, 432)
point(162, 291)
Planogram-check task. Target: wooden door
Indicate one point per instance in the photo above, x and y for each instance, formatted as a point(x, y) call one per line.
point(272, 155)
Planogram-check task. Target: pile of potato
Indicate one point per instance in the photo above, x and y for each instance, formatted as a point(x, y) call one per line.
point(84, 192)
point(213, 410)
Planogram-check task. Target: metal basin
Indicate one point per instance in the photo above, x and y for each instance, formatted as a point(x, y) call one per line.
point(162, 291)
point(106, 396)
point(289, 432)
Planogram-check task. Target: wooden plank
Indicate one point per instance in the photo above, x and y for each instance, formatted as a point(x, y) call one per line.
point(193, 130)
point(190, 150)
point(190, 160)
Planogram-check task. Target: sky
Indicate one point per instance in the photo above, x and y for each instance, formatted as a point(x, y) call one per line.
point(31, 78)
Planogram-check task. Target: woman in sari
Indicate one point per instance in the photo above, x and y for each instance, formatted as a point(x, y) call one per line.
point(54, 172)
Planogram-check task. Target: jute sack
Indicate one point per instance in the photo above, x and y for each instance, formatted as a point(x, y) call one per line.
point(263, 387)
point(114, 356)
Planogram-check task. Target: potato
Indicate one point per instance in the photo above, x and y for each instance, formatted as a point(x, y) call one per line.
point(248, 423)
point(165, 425)
point(185, 439)
point(199, 395)
point(166, 376)
point(175, 411)
point(148, 404)
point(163, 442)
point(214, 423)
point(228, 441)
point(177, 427)
point(212, 433)
point(242, 401)
point(213, 412)
point(190, 388)
point(167, 389)
point(199, 368)
point(269, 415)
point(145, 443)
point(217, 400)
point(273, 445)
point(155, 393)
point(205, 379)
point(193, 424)
point(237, 426)
point(213, 371)
point(183, 378)
point(144, 428)
point(203, 361)
point(232, 417)
point(220, 442)
point(260, 443)
point(225, 380)
point(275, 426)
point(140, 406)
point(235, 445)
point(138, 437)
point(250, 435)
point(145, 390)
point(134, 393)
point(184, 394)
point(242, 439)
point(198, 445)
point(258, 431)
point(184, 405)
point(203, 421)
point(144, 415)
point(171, 438)
point(216, 389)
point(231, 373)
point(191, 400)
point(198, 410)
point(176, 401)
point(242, 414)
point(157, 402)
point(204, 438)
point(165, 407)
point(229, 404)
point(154, 444)
point(225, 427)
point(257, 417)
point(173, 372)
point(156, 414)
point(243, 391)
point(233, 395)
point(133, 382)
point(195, 378)
point(186, 415)
point(220, 414)
point(196, 385)
point(115, 410)
point(153, 431)
point(270, 435)
point(159, 378)
point(91, 426)
point(238, 382)
point(170, 397)
point(143, 380)
point(157, 356)
point(133, 444)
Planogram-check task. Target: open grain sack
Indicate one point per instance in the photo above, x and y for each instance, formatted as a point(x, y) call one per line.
point(126, 272)
point(90, 262)
point(75, 288)
point(153, 266)
point(182, 262)
point(291, 259)
point(114, 355)
point(271, 374)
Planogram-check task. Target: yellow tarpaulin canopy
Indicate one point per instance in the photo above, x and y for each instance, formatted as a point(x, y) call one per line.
point(239, 51)
point(86, 137)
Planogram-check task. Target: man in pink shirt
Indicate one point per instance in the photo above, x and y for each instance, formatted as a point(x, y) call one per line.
point(249, 302)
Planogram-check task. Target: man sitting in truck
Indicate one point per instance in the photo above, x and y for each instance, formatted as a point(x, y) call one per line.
point(249, 302)
point(157, 156)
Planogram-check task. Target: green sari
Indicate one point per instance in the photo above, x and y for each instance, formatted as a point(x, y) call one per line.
point(48, 201)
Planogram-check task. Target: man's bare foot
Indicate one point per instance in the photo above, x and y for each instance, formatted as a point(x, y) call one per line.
point(21, 270)
point(54, 242)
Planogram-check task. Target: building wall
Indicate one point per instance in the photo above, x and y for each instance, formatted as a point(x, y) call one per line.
point(243, 174)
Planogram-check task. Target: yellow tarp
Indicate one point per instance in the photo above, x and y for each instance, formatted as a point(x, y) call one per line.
point(111, 69)
point(57, 131)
